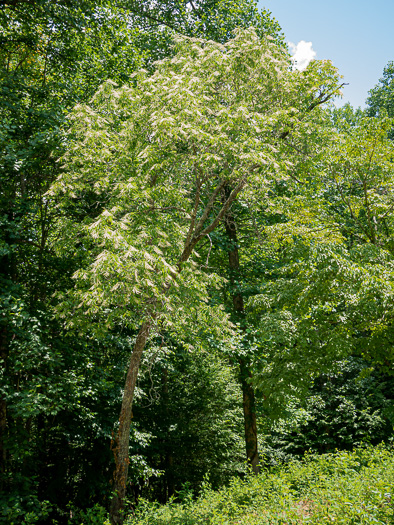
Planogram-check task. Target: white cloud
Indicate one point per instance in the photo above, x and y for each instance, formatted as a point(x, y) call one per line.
point(302, 53)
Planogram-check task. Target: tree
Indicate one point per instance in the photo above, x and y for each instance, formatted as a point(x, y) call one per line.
point(381, 98)
point(53, 55)
point(346, 407)
point(189, 404)
point(158, 156)
point(333, 298)
point(50, 58)
point(238, 314)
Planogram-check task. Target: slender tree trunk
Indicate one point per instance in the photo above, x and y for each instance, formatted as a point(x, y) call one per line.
point(198, 230)
point(168, 460)
point(8, 271)
point(248, 398)
point(3, 409)
point(121, 442)
point(248, 401)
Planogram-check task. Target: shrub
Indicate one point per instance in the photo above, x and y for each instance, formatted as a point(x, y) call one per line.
point(342, 487)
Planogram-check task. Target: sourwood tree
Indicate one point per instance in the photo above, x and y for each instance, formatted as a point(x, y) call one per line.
point(53, 55)
point(157, 157)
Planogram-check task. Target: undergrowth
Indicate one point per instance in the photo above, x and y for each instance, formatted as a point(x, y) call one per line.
point(345, 487)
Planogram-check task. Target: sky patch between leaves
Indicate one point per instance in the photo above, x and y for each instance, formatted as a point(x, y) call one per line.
point(302, 54)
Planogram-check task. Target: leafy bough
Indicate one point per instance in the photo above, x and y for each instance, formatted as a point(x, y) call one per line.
point(150, 164)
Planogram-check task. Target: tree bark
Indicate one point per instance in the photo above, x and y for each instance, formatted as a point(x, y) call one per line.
point(168, 457)
point(3, 410)
point(249, 409)
point(248, 397)
point(120, 445)
point(197, 231)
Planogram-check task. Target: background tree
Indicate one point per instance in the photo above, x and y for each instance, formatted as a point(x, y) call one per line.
point(380, 102)
point(333, 299)
point(190, 403)
point(252, 259)
point(347, 407)
point(45, 52)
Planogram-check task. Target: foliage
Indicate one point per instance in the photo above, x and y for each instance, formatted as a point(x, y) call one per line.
point(209, 116)
point(331, 295)
point(59, 396)
point(190, 403)
point(346, 407)
point(380, 102)
point(346, 116)
point(210, 19)
point(143, 163)
point(344, 487)
point(61, 406)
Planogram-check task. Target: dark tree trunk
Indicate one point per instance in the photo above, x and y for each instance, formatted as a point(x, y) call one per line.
point(121, 442)
point(249, 410)
point(3, 409)
point(168, 460)
point(248, 398)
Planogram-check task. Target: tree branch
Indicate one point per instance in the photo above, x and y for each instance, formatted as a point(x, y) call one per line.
point(222, 212)
point(194, 213)
point(207, 209)
point(321, 99)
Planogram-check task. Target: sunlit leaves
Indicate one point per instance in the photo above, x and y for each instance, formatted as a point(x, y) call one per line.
point(158, 154)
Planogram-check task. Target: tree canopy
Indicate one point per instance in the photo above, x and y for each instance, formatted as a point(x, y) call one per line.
point(190, 233)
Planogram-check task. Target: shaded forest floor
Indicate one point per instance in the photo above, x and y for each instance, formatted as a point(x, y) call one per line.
point(346, 487)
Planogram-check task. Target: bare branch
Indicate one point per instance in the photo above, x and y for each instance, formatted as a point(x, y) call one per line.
point(208, 208)
point(223, 211)
point(209, 251)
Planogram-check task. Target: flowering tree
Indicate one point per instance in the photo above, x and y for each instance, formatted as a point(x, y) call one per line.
point(164, 160)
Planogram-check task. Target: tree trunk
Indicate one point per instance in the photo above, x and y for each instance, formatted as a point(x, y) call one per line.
point(3, 410)
point(248, 401)
point(168, 460)
point(197, 231)
point(120, 445)
point(248, 398)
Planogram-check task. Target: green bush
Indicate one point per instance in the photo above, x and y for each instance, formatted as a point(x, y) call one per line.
point(96, 515)
point(343, 487)
point(24, 510)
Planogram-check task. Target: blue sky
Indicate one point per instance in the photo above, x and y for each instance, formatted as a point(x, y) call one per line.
point(358, 36)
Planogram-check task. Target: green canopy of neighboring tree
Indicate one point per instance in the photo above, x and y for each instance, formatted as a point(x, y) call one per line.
point(333, 295)
point(381, 98)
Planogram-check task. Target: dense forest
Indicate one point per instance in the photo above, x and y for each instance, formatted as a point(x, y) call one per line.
point(196, 259)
